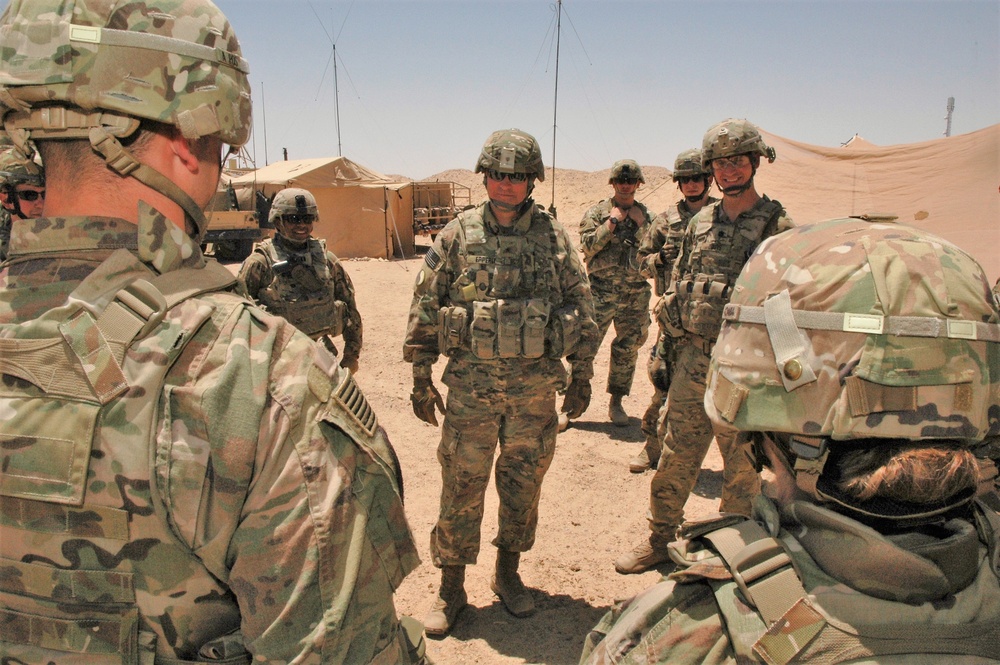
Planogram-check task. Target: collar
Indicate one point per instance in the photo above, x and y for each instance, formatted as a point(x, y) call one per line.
point(156, 240)
point(914, 566)
point(521, 224)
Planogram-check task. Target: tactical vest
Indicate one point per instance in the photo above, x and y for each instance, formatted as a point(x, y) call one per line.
point(69, 485)
point(621, 250)
point(505, 294)
point(717, 256)
point(787, 626)
point(303, 290)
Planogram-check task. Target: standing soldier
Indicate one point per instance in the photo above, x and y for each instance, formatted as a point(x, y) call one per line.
point(22, 192)
point(193, 479)
point(610, 233)
point(294, 276)
point(503, 294)
point(657, 253)
point(716, 245)
point(864, 361)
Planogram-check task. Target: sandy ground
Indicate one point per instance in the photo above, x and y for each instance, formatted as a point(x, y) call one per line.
point(592, 508)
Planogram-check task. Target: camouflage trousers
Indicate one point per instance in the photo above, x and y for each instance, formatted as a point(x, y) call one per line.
point(686, 438)
point(659, 368)
point(627, 306)
point(524, 425)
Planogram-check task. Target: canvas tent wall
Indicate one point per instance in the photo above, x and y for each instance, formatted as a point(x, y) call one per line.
point(362, 213)
point(948, 186)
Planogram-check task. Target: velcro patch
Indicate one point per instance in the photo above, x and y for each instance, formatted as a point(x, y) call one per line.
point(432, 259)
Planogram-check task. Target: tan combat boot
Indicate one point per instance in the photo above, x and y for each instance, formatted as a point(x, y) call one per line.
point(647, 458)
point(616, 412)
point(450, 601)
point(645, 556)
point(507, 584)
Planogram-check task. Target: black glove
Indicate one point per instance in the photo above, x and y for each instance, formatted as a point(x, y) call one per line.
point(425, 397)
point(577, 398)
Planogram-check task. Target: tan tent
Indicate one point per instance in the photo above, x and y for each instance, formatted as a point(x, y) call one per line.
point(948, 186)
point(362, 213)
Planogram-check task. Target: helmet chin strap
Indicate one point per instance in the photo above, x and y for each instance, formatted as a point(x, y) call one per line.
point(121, 161)
point(736, 190)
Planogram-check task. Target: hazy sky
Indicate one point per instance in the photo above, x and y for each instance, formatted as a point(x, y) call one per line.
point(422, 84)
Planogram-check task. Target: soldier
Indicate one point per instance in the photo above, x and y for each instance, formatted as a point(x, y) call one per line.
point(610, 233)
point(717, 243)
point(294, 276)
point(193, 479)
point(657, 253)
point(22, 192)
point(503, 294)
point(864, 361)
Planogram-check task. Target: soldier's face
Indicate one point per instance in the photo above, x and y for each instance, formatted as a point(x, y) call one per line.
point(30, 198)
point(297, 228)
point(507, 191)
point(732, 172)
point(692, 187)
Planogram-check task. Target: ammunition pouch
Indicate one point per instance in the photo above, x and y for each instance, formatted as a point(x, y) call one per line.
point(564, 332)
point(703, 299)
point(498, 329)
point(668, 315)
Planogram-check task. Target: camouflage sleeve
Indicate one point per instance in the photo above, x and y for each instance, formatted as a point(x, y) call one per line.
point(594, 233)
point(648, 254)
point(343, 290)
point(254, 275)
point(667, 623)
point(784, 222)
point(430, 294)
point(311, 556)
point(576, 292)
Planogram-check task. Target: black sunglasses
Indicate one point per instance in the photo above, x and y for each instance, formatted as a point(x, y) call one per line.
point(513, 177)
point(30, 195)
point(627, 181)
point(684, 179)
point(298, 219)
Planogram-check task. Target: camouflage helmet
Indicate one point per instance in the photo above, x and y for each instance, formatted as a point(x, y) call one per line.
point(511, 151)
point(626, 169)
point(848, 330)
point(689, 164)
point(16, 169)
point(292, 201)
point(172, 61)
point(734, 137)
point(94, 69)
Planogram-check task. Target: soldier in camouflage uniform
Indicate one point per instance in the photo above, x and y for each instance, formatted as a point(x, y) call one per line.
point(503, 294)
point(183, 476)
point(657, 252)
point(22, 192)
point(294, 276)
point(864, 360)
point(716, 245)
point(610, 233)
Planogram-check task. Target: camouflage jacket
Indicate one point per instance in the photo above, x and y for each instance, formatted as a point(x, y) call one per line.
point(611, 255)
point(666, 234)
point(5, 223)
point(713, 251)
point(200, 491)
point(314, 292)
point(885, 599)
point(475, 260)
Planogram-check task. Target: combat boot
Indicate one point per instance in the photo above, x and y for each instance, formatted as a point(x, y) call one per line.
point(449, 603)
point(645, 556)
point(563, 422)
point(616, 412)
point(647, 458)
point(507, 584)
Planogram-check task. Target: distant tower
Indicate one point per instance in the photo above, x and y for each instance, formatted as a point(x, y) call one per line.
point(951, 109)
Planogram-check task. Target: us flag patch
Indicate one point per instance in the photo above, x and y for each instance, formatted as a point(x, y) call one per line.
point(432, 259)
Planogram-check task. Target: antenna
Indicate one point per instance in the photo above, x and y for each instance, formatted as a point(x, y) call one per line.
point(336, 86)
point(263, 114)
point(555, 107)
point(951, 109)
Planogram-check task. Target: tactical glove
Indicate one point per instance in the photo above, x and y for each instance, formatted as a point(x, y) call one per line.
point(425, 398)
point(577, 398)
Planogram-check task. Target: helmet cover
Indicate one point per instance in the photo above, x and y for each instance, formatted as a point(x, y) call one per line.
point(511, 151)
point(626, 169)
point(734, 137)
